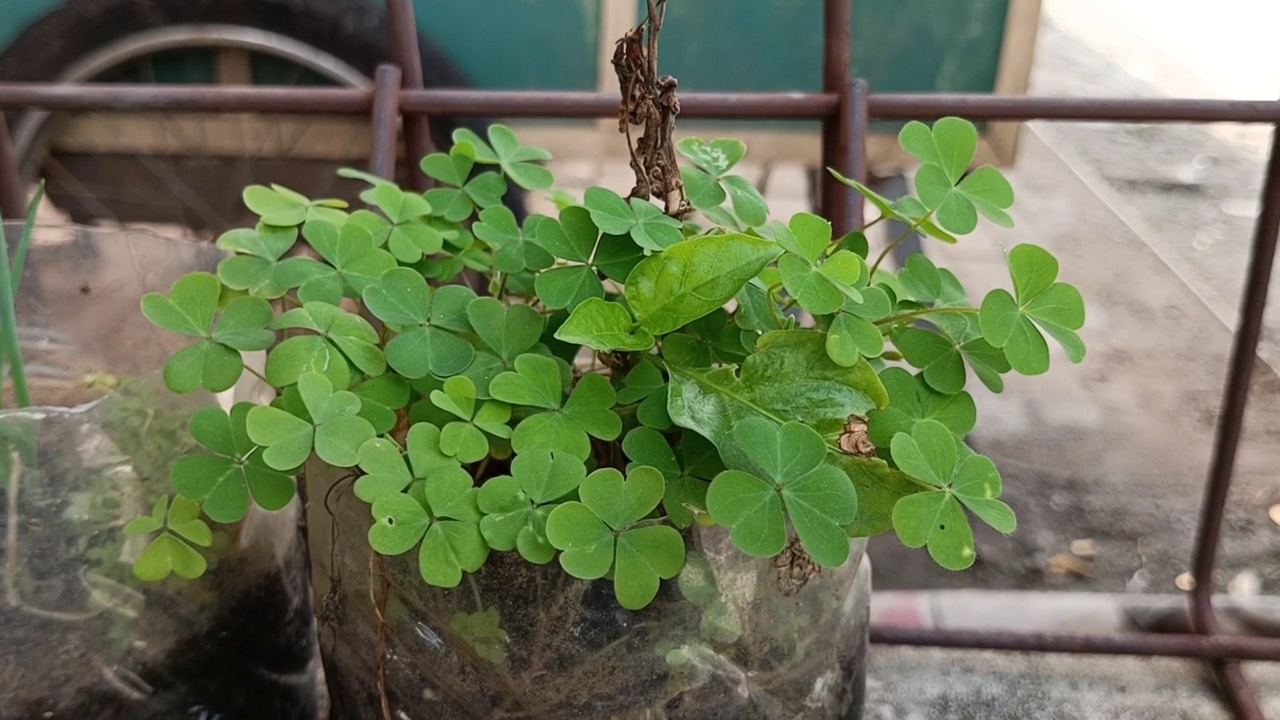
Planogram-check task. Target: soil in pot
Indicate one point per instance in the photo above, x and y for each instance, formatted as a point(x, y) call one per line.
point(732, 637)
point(82, 636)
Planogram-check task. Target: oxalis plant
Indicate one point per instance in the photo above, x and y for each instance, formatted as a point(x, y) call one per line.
point(587, 388)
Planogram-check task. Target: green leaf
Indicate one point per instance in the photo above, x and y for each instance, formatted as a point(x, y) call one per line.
point(189, 307)
point(517, 161)
point(585, 542)
point(1014, 324)
point(306, 353)
point(265, 242)
point(385, 470)
point(717, 157)
point(516, 507)
point(572, 237)
point(617, 256)
point(516, 250)
point(851, 338)
point(399, 523)
point(426, 345)
point(819, 498)
point(483, 632)
point(351, 251)
point(225, 481)
point(748, 203)
point(752, 508)
point(703, 190)
point(566, 287)
point(912, 400)
point(449, 549)
point(605, 326)
point(932, 453)
point(609, 211)
point(692, 278)
point(684, 497)
point(937, 520)
point(789, 377)
point(621, 503)
point(653, 229)
point(588, 411)
point(168, 555)
point(812, 289)
point(209, 365)
point(641, 381)
point(950, 145)
point(645, 556)
point(807, 237)
point(535, 382)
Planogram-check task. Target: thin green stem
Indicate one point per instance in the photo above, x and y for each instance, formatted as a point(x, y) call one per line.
point(773, 304)
point(9, 319)
point(894, 319)
point(898, 241)
point(256, 374)
point(24, 242)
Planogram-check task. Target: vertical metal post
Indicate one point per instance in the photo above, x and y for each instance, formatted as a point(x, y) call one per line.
point(837, 29)
point(1230, 427)
point(13, 203)
point(405, 51)
point(859, 127)
point(386, 122)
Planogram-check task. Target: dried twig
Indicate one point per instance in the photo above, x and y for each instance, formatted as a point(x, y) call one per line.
point(650, 101)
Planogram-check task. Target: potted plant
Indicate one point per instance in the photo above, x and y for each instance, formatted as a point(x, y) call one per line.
point(629, 472)
point(87, 437)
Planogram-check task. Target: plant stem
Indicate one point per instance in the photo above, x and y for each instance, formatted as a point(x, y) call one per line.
point(893, 319)
point(24, 242)
point(898, 241)
point(773, 304)
point(9, 324)
point(256, 374)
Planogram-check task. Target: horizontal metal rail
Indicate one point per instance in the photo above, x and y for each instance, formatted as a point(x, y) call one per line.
point(587, 105)
point(1210, 647)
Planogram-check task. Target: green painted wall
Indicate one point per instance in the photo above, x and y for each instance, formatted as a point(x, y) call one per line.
point(517, 44)
point(713, 45)
point(776, 45)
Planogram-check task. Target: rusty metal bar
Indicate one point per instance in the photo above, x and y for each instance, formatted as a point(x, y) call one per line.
point(860, 122)
point(13, 203)
point(1231, 427)
point(585, 105)
point(386, 122)
point(405, 51)
point(835, 200)
point(1239, 647)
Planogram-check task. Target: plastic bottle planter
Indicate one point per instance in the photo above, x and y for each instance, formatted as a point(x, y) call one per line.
point(82, 636)
point(733, 637)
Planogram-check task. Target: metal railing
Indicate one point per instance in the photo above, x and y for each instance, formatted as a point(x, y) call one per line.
point(845, 108)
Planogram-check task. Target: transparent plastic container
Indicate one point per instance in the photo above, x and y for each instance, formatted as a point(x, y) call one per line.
point(80, 636)
point(734, 637)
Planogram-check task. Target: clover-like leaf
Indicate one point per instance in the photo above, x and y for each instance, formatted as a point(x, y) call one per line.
point(536, 382)
point(819, 499)
point(519, 162)
point(428, 320)
point(467, 438)
point(693, 278)
point(508, 330)
point(351, 251)
point(596, 535)
point(516, 506)
point(482, 631)
point(388, 469)
point(336, 431)
point(931, 453)
point(349, 336)
point(443, 517)
point(278, 205)
point(214, 363)
point(912, 400)
point(1013, 323)
point(568, 286)
point(645, 385)
point(257, 267)
point(171, 552)
point(605, 326)
point(515, 248)
point(226, 480)
point(467, 193)
point(945, 152)
point(716, 158)
point(943, 359)
point(686, 477)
